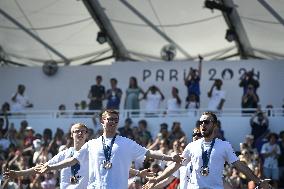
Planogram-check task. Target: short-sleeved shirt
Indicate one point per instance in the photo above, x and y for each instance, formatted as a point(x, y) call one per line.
point(222, 152)
point(65, 173)
point(270, 161)
point(124, 152)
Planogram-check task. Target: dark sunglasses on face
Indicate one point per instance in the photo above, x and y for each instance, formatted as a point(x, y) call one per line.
point(205, 122)
point(113, 120)
point(196, 134)
point(80, 131)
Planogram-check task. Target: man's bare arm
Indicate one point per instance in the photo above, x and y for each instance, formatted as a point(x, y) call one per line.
point(65, 163)
point(250, 175)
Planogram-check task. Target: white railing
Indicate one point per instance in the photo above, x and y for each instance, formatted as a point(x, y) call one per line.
point(228, 112)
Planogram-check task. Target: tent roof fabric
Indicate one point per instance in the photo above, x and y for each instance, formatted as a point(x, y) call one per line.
point(33, 32)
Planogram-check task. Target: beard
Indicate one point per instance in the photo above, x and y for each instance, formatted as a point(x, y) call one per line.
point(207, 133)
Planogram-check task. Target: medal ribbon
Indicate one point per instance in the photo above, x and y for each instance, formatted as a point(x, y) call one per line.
point(205, 154)
point(108, 149)
point(74, 168)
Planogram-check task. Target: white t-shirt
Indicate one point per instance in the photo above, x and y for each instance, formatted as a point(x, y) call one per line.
point(172, 105)
point(124, 151)
point(65, 173)
point(20, 103)
point(270, 161)
point(222, 152)
point(153, 101)
point(217, 96)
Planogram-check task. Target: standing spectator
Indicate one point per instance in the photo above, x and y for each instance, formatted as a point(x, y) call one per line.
point(153, 97)
point(174, 103)
point(126, 130)
point(191, 104)
point(271, 152)
point(20, 100)
point(247, 80)
point(281, 159)
point(192, 81)
point(217, 96)
point(96, 95)
point(259, 126)
point(113, 95)
point(250, 99)
point(132, 95)
point(5, 109)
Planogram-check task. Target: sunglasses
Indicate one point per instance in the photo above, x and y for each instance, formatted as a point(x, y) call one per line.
point(196, 135)
point(80, 131)
point(205, 122)
point(113, 120)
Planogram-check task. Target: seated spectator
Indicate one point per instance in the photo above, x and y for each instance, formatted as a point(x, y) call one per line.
point(126, 130)
point(113, 95)
point(219, 133)
point(176, 132)
point(20, 100)
point(145, 136)
point(153, 97)
point(28, 140)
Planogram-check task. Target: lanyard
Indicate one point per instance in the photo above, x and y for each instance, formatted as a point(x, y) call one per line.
point(107, 149)
point(74, 168)
point(205, 154)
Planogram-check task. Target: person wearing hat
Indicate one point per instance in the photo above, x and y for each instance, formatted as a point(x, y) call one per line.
point(110, 156)
point(207, 157)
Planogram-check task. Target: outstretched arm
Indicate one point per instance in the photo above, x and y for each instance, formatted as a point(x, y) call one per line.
point(166, 173)
point(143, 173)
point(158, 155)
point(250, 175)
point(65, 163)
point(11, 174)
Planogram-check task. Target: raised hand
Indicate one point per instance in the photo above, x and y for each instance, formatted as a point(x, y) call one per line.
point(177, 158)
point(10, 174)
point(145, 173)
point(42, 168)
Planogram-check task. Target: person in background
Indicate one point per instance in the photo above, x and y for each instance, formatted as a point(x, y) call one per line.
point(132, 99)
point(192, 81)
point(113, 95)
point(248, 80)
point(249, 100)
point(174, 103)
point(97, 94)
point(270, 152)
point(217, 96)
point(281, 159)
point(20, 100)
point(153, 97)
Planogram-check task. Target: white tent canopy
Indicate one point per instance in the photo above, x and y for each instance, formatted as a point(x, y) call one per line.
point(33, 32)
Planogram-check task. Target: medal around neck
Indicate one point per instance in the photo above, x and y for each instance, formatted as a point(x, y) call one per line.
point(107, 165)
point(204, 171)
